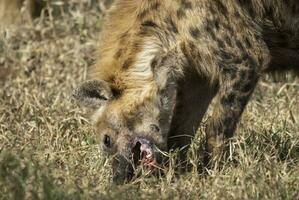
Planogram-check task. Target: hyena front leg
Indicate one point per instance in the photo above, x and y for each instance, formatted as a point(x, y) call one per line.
point(173, 72)
point(236, 83)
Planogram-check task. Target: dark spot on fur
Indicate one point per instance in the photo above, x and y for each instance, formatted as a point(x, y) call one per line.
point(136, 45)
point(239, 45)
point(186, 4)
point(248, 43)
point(229, 29)
point(220, 43)
point(221, 8)
point(163, 60)
point(251, 75)
point(251, 11)
point(127, 63)
point(209, 29)
point(171, 26)
point(246, 81)
point(149, 23)
point(116, 92)
point(233, 74)
point(228, 99)
point(118, 53)
point(243, 75)
point(180, 13)
point(225, 55)
point(143, 14)
point(144, 32)
point(260, 60)
point(191, 51)
point(250, 61)
point(237, 85)
point(228, 40)
point(124, 36)
point(216, 24)
point(237, 61)
point(229, 71)
point(153, 7)
point(154, 63)
point(195, 32)
point(111, 79)
point(237, 15)
point(213, 24)
point(192, 45)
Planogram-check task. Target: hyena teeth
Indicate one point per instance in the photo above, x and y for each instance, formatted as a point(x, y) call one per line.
point(149, 156)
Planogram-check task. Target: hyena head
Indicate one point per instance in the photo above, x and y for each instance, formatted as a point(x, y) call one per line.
point(132, 114)
point(132, 96)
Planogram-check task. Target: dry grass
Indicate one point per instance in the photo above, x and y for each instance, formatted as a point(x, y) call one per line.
point(47, 147)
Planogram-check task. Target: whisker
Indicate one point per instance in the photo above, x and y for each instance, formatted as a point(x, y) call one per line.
point(183, 135)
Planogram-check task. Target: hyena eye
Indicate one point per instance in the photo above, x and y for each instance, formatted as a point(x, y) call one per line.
point(154, 128)
point(107, 141)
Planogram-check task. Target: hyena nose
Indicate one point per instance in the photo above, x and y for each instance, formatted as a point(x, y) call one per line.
point(142, 152)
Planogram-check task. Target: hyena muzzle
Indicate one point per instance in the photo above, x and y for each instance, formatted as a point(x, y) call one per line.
point(161, 62)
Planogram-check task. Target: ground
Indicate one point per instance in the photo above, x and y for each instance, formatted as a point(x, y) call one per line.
point(47, 145)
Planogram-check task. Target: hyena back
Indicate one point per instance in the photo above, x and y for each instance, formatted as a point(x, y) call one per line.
point(161, 62)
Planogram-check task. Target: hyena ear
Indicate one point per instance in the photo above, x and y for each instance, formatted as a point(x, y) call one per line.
point(93, 93)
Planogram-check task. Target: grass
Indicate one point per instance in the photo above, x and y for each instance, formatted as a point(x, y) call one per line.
point(47, 146)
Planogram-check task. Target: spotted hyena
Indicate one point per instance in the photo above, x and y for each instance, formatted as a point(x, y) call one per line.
point(161, 62)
